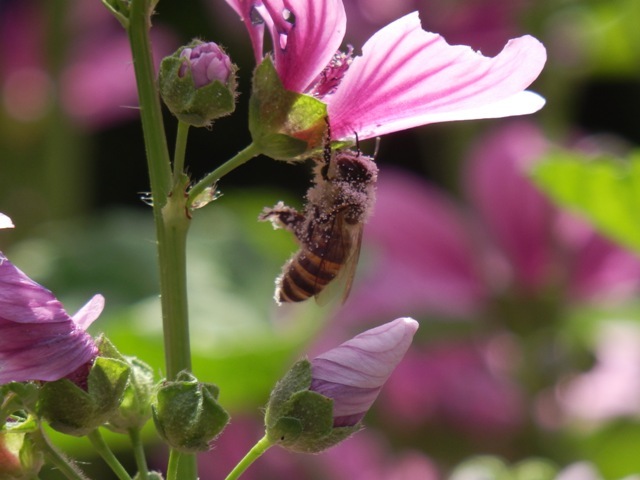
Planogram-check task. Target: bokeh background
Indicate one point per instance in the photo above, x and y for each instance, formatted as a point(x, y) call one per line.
point(527, 362)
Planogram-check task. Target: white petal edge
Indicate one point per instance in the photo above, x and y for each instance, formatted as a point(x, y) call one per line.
point(5, 222)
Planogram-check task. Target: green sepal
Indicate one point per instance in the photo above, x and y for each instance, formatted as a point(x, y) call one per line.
point(285, 125)
point(74, 411)
point(187, 415)
point(299, 419)
point(135, 409)
point(197, 107)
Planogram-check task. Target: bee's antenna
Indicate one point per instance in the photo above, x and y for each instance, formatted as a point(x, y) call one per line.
point(357, 143)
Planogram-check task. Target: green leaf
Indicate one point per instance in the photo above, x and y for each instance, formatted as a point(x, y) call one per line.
point(605, 190)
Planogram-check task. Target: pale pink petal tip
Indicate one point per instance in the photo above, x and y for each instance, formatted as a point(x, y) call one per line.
point(89, 312)
point(5, 222)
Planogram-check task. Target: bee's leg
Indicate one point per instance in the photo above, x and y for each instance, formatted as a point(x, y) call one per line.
point(282, 216)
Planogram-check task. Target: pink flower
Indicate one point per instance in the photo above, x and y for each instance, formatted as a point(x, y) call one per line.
point(38, 339)
point(353, 373)
point(406, 77)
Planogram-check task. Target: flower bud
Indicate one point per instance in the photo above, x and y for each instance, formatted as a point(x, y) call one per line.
point(75, 411)
point(198, 83)
point(135, 408)
point(318, 404)
point(187, 415)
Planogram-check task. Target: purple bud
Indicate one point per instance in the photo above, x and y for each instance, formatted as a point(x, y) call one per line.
point(207, 62)
point(38, 339)
point(353, 373)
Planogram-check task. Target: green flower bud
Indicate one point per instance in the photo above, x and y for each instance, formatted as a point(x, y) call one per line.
point(135, 409)
point(285, 125)
point(299, 419)
point(187, 415)
point(74, 411)
point(198, 83)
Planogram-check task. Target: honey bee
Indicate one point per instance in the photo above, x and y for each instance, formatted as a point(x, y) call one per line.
point(329, 230)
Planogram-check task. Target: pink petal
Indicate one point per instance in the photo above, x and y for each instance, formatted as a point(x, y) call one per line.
point(353, 373)
point(407, 77)
point(89, 312)
point(249, 12)
point(304, 47)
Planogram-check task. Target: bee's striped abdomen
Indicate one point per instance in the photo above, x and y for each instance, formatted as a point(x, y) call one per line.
point(305, 275)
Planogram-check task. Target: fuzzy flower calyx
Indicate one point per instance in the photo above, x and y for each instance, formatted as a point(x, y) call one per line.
point(405, 76)
point(198, 83)
point(38, 339)
point(321, 402)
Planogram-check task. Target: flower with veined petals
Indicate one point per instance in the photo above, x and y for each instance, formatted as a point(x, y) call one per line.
point(38, 339)
point(353, 373)
point(406, 76)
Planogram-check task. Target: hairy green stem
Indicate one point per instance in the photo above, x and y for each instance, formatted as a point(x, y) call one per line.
point(138, 453)
point(107, 455)
point(241, 157)
point(169, 209)
point(258, 449)
point(181, 148)
point(53, 455)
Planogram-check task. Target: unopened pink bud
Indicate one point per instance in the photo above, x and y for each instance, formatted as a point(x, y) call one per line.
point(207, 62)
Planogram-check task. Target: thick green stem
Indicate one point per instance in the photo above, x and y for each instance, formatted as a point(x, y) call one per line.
point(107, 455)
point(169, 209)
point(173, 467)
point(241, 157)
point(62, 463)
point(138, 453)
point(258, 449)
point(181, 148)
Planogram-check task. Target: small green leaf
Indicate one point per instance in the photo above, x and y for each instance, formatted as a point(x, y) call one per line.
point(605, 190)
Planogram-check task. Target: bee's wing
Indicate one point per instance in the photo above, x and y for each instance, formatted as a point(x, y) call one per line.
point(341, 285)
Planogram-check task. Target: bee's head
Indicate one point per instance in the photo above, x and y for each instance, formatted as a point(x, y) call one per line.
point(354, 168)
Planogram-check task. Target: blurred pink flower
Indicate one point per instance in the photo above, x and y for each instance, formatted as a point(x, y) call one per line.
point(433, 255)
point(453, 384)
point(406, 77)
point(612, 387)
point(365, 456)
point(96, 84)
point(38, 339)
point(353, 373)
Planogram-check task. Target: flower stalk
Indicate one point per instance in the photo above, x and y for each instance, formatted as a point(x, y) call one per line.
point(107, 455)
point(169, 209)
point(256, 451)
